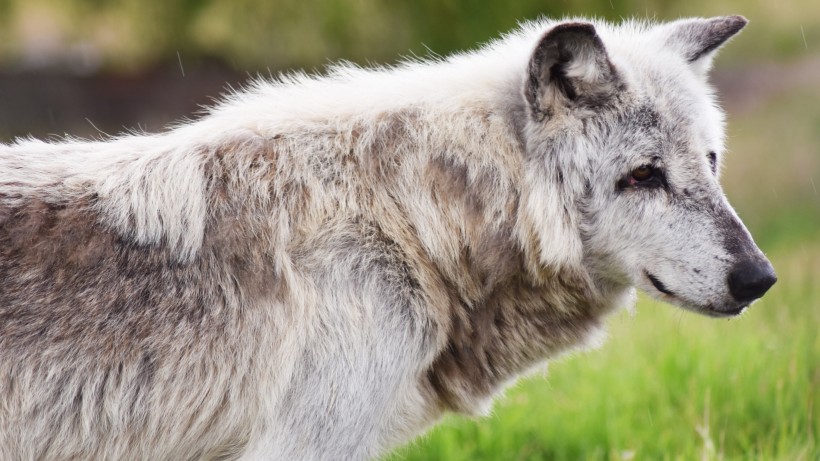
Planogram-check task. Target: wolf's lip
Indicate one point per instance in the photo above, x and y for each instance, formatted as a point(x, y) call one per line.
point(731, 312)
point(658, 284)
point(728, 310)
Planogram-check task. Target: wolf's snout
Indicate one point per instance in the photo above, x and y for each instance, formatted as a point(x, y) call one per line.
point(750, 279)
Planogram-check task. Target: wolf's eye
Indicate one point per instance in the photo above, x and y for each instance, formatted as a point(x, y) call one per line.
point(642, 173)
point(645, 176)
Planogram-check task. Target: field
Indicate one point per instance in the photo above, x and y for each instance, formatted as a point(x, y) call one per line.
point(668, 384)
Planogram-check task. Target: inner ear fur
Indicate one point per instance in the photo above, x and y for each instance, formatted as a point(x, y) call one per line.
point(569, 67)
point(698, 39)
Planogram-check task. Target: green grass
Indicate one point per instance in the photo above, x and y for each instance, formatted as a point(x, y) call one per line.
point(668, 385)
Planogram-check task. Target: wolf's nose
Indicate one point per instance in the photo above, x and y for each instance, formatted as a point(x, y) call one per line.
point(750, 279)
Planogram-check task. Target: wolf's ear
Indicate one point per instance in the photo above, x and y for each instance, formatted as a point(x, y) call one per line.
point(699, 39)
point(569, 67)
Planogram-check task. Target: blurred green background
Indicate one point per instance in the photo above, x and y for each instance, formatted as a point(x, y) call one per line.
point(668, 384)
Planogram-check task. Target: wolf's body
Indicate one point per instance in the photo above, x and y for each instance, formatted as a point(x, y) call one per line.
point(321, 267)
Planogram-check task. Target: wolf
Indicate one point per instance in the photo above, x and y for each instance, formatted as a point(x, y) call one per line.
point(320, 267)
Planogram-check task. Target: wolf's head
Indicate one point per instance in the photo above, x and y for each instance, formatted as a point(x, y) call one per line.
point(624, 143)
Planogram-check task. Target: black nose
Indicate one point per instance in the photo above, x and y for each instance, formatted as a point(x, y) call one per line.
point(750, 279)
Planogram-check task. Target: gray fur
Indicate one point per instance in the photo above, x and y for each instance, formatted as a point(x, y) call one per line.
point(322, 267)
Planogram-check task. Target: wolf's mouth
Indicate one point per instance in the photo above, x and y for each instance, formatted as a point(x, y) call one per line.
point(730, 312)
point(658, 284)
point(710, 310)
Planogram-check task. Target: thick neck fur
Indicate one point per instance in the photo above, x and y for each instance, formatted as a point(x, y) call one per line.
point(507, 310)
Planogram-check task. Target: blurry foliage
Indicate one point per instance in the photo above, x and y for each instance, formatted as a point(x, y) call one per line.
point(128, 35)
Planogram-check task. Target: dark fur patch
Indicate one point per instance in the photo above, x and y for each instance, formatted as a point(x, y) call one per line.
point(513, 327)
point(485, 253)
point(556, 50)
point(67, 276)
point(449, 181)
point(736, 239)
point(79, 300)
point(645, 117)
point(383, 154)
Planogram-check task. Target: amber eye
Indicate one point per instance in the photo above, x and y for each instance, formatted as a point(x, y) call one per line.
point(643, 177)
point(642, 173)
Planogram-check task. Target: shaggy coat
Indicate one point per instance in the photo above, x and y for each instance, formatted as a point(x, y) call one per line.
point(320, 267)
